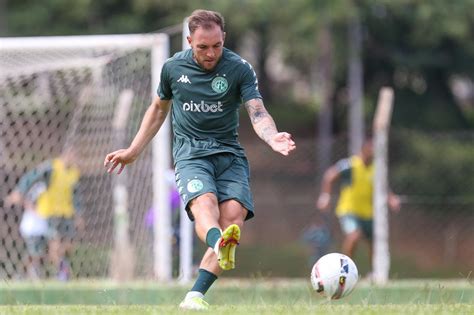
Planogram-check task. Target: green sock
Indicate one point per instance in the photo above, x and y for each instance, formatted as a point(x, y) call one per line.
point(213, 235)
point(204, 281)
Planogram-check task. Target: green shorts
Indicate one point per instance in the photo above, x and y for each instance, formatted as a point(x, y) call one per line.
point(36, 245)
point(350, 223)
point(226, 175)
point(61, 228)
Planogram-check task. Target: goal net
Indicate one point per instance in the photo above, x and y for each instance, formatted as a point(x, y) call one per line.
point(89, 93)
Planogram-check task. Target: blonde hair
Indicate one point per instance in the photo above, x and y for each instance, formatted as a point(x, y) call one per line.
point(205, 19)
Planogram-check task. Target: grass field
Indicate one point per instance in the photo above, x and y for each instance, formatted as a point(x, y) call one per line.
point(257, 296)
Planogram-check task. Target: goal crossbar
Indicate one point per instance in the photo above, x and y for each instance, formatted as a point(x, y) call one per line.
point(76, 63)
point(127, 41)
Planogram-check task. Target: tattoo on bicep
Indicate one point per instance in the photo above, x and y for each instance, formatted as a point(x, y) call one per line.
point(256, 110)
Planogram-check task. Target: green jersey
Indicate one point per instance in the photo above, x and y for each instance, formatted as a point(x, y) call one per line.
point(205, 109)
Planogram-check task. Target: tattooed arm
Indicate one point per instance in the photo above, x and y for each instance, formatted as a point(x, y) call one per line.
point(265, 127)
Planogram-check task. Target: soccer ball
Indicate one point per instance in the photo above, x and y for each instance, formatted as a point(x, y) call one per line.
point(334, 276)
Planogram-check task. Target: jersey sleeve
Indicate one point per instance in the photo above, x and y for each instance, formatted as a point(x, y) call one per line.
point(344, 168)
point(249, 84)
point(40, 173)
point(164, 88)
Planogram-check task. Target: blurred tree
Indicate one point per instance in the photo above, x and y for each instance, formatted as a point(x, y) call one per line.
point(325, 76)
point(82, 17)
point(414, 166)
point(419, 47)
point(3, 19)
point(355, 82)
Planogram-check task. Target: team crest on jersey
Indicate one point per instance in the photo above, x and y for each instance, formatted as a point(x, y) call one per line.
point(220, 85)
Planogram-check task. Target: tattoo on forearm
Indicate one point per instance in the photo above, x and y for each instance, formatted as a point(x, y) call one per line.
point(256, 110)
point(261, 120)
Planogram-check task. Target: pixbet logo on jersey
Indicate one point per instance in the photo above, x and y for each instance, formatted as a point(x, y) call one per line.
point(202, 107)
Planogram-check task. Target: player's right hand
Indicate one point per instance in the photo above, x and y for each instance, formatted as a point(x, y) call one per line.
point(120, 157)
point(324, 201)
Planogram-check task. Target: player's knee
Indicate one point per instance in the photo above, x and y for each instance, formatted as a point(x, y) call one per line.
point(225, 222)
point(232, 212)
point(204, 203)
point(208, 199)
point(354, 237)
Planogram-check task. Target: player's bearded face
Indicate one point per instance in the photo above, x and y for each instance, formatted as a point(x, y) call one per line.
point(207, 45)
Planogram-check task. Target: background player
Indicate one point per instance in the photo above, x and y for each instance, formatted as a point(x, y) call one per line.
point(355, 205)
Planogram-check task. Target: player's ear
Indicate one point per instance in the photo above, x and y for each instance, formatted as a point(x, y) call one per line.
point(223, 37)
point(189, 39)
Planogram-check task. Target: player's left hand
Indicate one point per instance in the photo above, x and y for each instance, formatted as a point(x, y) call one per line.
point(283, 143)
point(14, 198)
point(394, 202)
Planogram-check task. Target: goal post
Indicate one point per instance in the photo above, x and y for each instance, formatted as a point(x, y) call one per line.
point(186, 226)
point(66, 90)
point(381, 126)
point(161, 190)
point(122, 260)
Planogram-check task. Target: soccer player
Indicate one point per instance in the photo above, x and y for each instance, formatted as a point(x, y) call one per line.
point(57, 202)
point(354, 207)
point(204, 87)
point(33, 228)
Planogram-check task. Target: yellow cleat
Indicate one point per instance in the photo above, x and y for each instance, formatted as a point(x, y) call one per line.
point(195, 303)
point(229, 240)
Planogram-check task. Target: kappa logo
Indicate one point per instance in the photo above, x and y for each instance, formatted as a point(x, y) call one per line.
point(184, 79)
